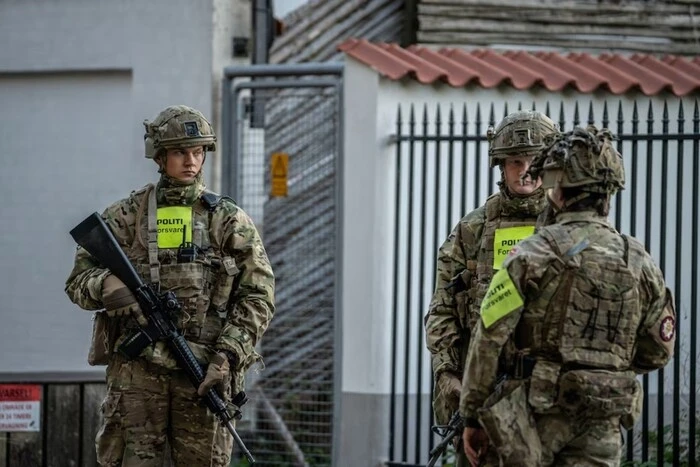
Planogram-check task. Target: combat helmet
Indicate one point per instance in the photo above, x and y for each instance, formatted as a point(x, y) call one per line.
point(178, 126)
point(520, 133)
point(581, 158)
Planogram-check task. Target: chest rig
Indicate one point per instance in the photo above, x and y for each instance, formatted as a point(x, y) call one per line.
point(197, 271)
point(586, 309)
point(502, 215)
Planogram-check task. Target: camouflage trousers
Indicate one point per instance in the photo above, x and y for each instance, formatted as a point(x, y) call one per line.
point(147, 405)
point(568, 441)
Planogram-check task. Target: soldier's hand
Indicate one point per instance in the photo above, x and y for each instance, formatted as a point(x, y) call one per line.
point(450, 386)
point(476, 443)
point(117, 298)
point(217, 373)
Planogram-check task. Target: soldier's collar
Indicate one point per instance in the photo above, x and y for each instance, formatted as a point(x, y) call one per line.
point(588, 216)
point(170, 191)
point(522, 206)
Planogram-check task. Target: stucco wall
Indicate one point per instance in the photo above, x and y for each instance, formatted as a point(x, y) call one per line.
point(77, 79)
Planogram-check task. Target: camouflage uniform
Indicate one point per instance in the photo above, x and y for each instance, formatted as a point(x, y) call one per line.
point(468, 258)
point(585, 310)
point(227, 303)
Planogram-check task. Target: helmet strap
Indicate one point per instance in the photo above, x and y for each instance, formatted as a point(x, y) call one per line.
point(569, 202)
point(160, 160)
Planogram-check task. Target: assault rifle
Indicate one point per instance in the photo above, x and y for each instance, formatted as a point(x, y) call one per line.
point(159, 309)
point(447, 432)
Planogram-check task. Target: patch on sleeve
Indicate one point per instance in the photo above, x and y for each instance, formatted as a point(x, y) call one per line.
point(667, 329)
point(501, 299)
point(663, 331)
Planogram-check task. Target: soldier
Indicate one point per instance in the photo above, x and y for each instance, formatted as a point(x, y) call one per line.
point(225, 286)
point(584, 308)
point(477, 246)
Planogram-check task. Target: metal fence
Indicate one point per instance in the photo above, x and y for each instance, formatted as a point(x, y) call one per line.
point(290, 418)
point(442, 173)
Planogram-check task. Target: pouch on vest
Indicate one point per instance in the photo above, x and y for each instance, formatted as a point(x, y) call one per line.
point(189, 283)
point(628, 420)
point(543, 385)
point(596, 394)
point(104, 334)
point(510, 425)
point(462, 285)
point(602, 315)
point(221, 293)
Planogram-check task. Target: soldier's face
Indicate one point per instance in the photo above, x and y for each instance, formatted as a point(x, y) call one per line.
point(184, 164)
point(513, 168)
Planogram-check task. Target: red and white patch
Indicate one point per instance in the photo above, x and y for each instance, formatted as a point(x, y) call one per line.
point(667, 329)
point(513, 251)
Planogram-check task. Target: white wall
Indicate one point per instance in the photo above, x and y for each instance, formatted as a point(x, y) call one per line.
point(231, 18)
point(364, 271)
point(76, 84)
point(365, 354)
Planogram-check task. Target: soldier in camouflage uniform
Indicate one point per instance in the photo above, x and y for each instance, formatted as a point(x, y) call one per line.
point(475, 248)
point(226, 292)
point(576, 312)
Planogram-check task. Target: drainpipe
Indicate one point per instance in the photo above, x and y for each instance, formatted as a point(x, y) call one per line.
point(262, 40)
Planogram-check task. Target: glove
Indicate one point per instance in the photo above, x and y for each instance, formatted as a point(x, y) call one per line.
point(117, 298)
point(218, 372)
point(450, 387)
point(446, 397)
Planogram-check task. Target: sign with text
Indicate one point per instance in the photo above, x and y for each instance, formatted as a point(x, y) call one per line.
point(20, 407)
point(279, 163)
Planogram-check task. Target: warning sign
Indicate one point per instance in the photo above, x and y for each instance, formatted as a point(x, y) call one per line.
point(20, 407)
point(279, 162)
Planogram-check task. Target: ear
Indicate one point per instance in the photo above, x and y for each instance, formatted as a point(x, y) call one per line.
point(559, 194)
point(555, 198)
point(160, 161)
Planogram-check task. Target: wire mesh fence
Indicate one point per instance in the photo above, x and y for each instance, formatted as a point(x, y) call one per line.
point(291, 421)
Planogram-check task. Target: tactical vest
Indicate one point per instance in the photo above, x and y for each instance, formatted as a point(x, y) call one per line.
point(586, 309)
point(203, 286)
point(496, 218)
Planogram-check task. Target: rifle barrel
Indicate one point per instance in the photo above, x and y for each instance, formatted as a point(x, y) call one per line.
point(240, 443)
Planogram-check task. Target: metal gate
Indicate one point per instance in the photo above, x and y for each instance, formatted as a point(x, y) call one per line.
point(442, 174)
point(290, 112)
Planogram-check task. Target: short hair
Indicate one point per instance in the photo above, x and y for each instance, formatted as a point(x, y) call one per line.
point(599, 202)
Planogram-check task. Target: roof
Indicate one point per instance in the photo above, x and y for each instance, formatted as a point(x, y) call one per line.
point(553, 71)
point(313, 30)
point(593, 26)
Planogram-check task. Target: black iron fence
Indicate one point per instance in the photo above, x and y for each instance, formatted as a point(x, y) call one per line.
point(442, 173)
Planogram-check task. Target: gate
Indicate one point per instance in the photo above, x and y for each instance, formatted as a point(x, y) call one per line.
point(442, 174)
point(290, 113)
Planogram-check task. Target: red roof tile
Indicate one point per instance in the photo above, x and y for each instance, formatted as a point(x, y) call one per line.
point(523, 70)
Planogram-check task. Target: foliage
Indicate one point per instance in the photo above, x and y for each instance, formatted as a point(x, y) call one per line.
point(667, 454)
point(449, 457)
